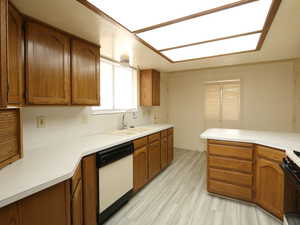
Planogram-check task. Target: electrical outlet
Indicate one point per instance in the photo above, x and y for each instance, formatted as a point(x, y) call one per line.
point(41, 122)
point(134, 115)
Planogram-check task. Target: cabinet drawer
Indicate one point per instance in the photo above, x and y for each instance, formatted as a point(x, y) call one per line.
point(231, 177)
point(231, 151)
point(170, 131)
point(141, 142)
point(232, 143)
point(270, 153)
point(154, 137)
point(164, 133)
point(230, 190)
point(233, 164)
point(76, 178)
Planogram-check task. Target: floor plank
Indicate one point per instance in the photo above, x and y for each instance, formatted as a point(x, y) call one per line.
point(178, 197)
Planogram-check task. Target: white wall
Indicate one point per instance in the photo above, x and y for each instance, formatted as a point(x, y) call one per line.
point(267, 99)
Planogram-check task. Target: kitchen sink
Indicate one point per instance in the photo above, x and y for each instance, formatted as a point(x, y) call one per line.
point(131, 131)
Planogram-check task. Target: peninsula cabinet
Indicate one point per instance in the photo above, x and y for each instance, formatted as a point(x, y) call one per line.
point(248, 172)
point(3, 52)
point(269, 180)
point(15, 57)
point(149, 88)
point(47, 65)
point(85, 73)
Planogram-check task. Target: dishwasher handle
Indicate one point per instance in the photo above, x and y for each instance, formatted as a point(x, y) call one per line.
point(113, 154)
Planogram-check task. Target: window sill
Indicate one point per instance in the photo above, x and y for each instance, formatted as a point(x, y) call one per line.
point(108, 112)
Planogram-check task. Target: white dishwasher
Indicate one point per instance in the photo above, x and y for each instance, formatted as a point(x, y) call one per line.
point(115, 166)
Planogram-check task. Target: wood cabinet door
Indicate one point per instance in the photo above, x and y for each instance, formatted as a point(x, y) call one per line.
point(140, 168)
point(15, 57)
point(85, 73)
point(270, 186)
point(170, 148)
point(155, 88)
point(3, 52)
point(154, 160)
point(9, 215)
point(48, 207)
point(90, 190)
point(164, 152)
point(77, 210)
point(47, 66)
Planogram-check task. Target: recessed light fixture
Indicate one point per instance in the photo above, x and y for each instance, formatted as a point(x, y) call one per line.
point(189, 30)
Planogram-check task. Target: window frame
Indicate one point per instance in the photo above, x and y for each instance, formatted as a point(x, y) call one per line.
point(96, 110)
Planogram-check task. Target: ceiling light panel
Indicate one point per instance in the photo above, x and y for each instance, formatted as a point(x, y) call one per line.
point(222, 47)
point(137, 14)
point(238, 20)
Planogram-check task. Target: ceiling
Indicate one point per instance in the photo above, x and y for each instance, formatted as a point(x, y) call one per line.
point(282, 42)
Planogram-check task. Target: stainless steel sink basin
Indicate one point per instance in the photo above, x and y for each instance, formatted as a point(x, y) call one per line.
point(131, 131)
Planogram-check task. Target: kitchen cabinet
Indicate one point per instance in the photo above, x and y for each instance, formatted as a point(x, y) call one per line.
point(164, 149)
point(10, 136)
point(15, 57)
point(154, 161)
point(90, 190)
point(85, 73)
point(140, 168)
point(9, 215)
point(170, 145)
point(3, 52)
point(48, 207)
point(76, 198)
point(230, 169)
point(149, 88)
point(47, 65)
point(269, 180)
point(247, 172)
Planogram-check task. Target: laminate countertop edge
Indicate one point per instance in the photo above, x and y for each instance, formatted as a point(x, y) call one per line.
point(41, 169)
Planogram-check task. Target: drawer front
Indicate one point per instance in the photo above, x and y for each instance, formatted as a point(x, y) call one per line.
point(76, 178)
point(270, 153)
point(232, 143)
point(154, 137)
point(231, 151)
point(170, 131)
point(141, 142)
point(233, 164)
point(164, 133)
point(231, 177)
point(230, 190)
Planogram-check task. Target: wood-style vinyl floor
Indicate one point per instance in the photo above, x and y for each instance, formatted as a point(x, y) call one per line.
point(178, 197)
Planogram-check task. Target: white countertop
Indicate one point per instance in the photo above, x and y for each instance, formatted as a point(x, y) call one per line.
point(286, 141)
point(53, 164)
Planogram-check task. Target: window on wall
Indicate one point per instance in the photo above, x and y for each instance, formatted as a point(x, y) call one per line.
point(118, 88)
point(222, 102)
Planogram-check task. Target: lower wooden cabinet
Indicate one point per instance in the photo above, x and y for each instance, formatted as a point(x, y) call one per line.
point(170, 146)
point(140, 168)
point(77, 208)
point(154, 159)
point(270, 184)
point(247, 173)
point(9, 215)
point(48, 207)
point(164, 152)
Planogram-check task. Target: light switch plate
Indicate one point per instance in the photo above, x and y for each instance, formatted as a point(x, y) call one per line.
point(41, 122)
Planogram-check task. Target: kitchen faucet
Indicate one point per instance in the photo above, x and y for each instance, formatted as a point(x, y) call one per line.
point(124, 125)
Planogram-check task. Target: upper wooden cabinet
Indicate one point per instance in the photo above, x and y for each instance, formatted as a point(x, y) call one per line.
point(149, 88)
point(85, 73)
point(47, 65)
point(3, 52)
point(15, 57)
point(269, 180)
